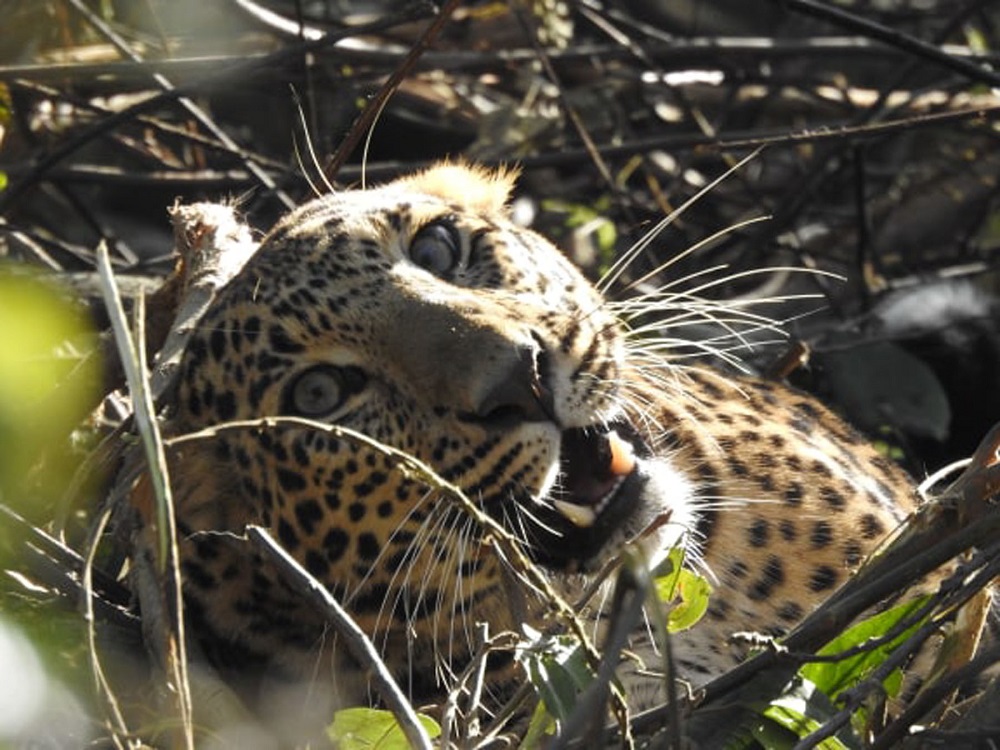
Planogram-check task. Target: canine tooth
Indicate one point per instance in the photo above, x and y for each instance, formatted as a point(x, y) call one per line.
point(578, 515)
point(622, 455)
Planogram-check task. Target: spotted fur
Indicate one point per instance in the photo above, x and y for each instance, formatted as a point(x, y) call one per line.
point(419, 315)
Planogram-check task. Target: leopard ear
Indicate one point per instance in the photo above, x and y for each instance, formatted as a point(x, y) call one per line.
point(477, 188)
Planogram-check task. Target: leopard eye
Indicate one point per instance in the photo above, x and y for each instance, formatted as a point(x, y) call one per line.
point(436, 248)
point(321, 390)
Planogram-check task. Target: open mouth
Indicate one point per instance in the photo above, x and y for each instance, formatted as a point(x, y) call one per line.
point(599, 487)
point(594, 465)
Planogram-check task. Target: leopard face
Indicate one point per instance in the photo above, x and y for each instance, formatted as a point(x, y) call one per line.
point(417, 314)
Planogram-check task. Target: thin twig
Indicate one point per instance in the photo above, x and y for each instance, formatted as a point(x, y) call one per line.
point(731, 141)
point(694, 51)
point(358, 644)
point(892, 37)
point(115, 717)
point(367, 116)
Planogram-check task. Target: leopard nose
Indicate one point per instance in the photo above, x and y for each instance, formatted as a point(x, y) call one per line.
point(467, 357)
point(514, 389)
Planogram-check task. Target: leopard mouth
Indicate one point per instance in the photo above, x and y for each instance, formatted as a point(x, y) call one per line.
point(594, 464)
point(599, 486)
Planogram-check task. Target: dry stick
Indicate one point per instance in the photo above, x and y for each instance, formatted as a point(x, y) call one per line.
point(358, 644)
point(375, 104)
point(733, 141)
point(102, 174)
point(277, 23)
point(930, 696)
point(477, 668)
point(978, 719)
point(691, 51)
point(42, 549)
point(574, 117)
point(133, 361)
point(473, 674)
point(854, 697)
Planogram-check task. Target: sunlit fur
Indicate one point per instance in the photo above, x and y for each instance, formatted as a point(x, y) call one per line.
point(772, 495)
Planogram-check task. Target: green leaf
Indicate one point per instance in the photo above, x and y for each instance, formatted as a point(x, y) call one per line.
point(592, 216)
point(802, 709)
point(373, 729)
point(767, 733)
point(833, 677)
point(540, 728)
point(686, 592)
point(557, 667)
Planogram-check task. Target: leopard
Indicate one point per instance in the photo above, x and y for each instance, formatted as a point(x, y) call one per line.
point(419, 316)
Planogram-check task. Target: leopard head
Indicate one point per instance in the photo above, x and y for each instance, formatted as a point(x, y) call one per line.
point(419, 316)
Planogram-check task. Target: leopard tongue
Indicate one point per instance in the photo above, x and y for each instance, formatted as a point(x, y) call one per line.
point(621, 465)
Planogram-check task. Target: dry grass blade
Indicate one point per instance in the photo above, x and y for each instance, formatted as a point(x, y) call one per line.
point(172, 644)
point(115, 716)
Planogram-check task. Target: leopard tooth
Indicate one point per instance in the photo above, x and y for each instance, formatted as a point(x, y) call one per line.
point(578, 515)
point(622, 455)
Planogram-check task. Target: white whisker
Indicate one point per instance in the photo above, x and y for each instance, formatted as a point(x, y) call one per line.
point(618, 268)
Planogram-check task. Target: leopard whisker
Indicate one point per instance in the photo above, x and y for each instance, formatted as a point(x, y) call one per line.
point(415, 550)
point(310, 150)
point(453, 587)
point(425, 498)
point(699, 245)
point(618, 268)
point(468, 537)
point(656, 296)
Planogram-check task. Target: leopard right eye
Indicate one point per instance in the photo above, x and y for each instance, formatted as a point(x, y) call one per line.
point(436, 248)
point(320, 390)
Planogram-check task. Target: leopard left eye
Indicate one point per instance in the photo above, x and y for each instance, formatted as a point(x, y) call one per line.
point(321, 390)
point(436, 248)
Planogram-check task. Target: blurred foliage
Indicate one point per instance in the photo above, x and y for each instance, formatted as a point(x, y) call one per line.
point(373, 729)
point(47, 383)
